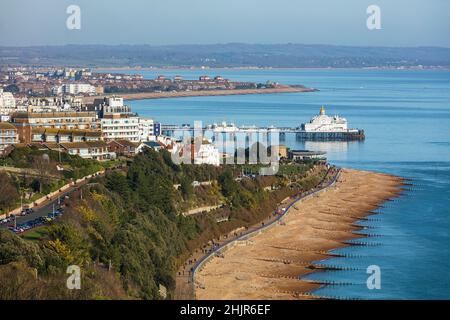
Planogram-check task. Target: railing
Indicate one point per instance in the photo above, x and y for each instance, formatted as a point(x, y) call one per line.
point(200, 264)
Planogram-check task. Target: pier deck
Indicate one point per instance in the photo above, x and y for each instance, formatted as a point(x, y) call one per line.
point(351, 134)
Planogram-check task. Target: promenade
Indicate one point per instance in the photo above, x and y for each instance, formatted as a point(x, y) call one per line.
point(271, 264)
point(186, 276)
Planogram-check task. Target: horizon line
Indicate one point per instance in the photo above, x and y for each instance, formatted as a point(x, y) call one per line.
point(220, 44)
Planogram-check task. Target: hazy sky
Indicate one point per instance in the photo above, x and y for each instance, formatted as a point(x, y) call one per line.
point(156, 22)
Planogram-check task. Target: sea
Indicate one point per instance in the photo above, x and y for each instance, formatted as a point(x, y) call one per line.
point(406, 118)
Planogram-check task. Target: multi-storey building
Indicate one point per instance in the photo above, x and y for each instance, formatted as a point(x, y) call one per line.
point(8, 135)
point(7, 103)
point(118, 122)
point(25, 122)
point(74, 88)
point(146, 129)
point(60, 120)
point(62, 135)
point(119, 127)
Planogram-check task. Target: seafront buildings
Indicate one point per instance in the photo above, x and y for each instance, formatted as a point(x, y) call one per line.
point(75, 88)
point(105, 128)
point(59, 82)
point(46, 135)
point(101, 130)
point(59, 120)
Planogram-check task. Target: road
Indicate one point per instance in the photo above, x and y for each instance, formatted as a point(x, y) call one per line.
point(44, 209)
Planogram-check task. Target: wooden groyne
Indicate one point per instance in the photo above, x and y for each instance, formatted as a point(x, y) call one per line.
point(246, 237)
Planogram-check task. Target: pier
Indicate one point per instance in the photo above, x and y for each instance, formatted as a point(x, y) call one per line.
point(301, 134)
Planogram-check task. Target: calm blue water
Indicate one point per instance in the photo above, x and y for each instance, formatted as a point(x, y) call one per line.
point(406, 116)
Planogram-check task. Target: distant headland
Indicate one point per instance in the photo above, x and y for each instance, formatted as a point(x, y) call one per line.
point(229, 55)
point(200, 93)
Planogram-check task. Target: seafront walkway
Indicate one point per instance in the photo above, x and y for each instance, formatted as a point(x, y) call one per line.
point(186, 283)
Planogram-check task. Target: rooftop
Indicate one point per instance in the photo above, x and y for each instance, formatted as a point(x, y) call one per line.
point(7, 126)
point(89, 133)
point(53, 114)
point(84, 145)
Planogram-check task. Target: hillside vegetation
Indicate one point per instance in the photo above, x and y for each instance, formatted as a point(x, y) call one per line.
point(126, 232)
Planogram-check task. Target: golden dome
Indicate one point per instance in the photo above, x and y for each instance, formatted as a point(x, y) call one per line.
point(322, 110)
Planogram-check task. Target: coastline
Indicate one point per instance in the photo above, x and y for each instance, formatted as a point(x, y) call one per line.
point(201, 93)
point(268, 265)
point(200, 68)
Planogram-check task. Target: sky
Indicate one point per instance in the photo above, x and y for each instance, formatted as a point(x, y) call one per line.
point(162, 22)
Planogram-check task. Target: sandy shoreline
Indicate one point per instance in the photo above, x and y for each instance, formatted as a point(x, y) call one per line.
point(267, 266)
point(201, 93)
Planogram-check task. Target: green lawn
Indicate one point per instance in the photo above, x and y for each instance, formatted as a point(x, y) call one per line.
point(36, 234)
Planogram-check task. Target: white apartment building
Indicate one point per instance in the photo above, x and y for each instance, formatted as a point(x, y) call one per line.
point(146, 129)
point(118, 127)
point(114, 102)
point(118, 122)
point(74, 88)
point(7, 103)
point(207, 154)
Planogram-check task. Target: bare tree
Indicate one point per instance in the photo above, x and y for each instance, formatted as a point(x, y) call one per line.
point(8, 192)
point(44, 169)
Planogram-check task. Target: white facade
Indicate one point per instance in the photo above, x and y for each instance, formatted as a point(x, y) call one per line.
point(115, 102)
point(324, 123)
point(7, 103)
point(8, 135)
point(223, 127)
point(207, 154)
point(74, 88)
point(115, 128)
point(41, 109)
point(146, 132)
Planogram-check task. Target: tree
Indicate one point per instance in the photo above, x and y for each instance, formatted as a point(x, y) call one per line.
point(227, 184)
point(186, 187)
point(8, 192)
point(44, 169)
